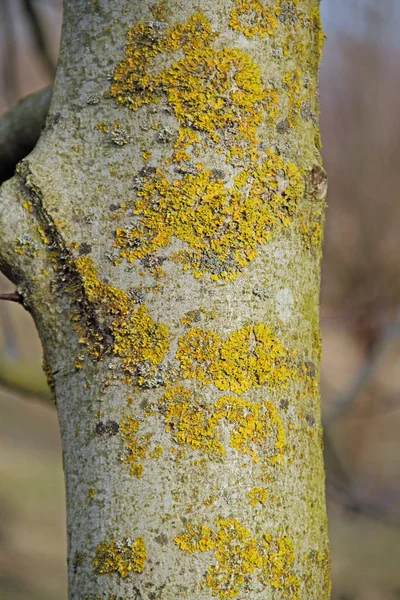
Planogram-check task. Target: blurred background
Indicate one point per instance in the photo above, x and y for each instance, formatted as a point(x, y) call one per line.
point(360, 316)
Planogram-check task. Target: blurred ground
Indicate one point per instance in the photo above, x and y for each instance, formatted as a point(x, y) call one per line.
point(360, 319)
point(32, 523)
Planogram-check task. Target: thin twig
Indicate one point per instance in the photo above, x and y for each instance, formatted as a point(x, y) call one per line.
point(389, 335)
point(13, 297)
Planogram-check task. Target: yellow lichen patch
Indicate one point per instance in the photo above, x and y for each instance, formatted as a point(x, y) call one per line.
point(134, 82)
point(156, 453)
point(196, 315)
point(255, 429)
point(44, 237)
point(319, 565)
point(293, 81)
point(311, 232)
point(91, 493)
point(197, 352)
point(258, 496)
point(115, 300)
point(135, 449)
point(25, 246)
point(187, 138)
point(215, 95)
point(249, 357)
point(278, 566)
point(301, 78)
point(139, 339)
point(136, 338)
point(190, 423)
point(158, 11)
point(222, 227)
point(120, 557)
point(318, 34)
point(27, 205)
point(190, 316)
point(235, 551)
point(251, 17)
point(239, 556)
point(214, 90)
point(102, 127)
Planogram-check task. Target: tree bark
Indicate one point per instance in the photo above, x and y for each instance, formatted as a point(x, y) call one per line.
point(165, 234)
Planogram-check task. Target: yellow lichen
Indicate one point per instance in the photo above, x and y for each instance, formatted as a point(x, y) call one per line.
point(251, 17)
point(196, 315)
point(319, 37)
point(223, 227)
point(190, 423)
point(255, 429)
point(301, 95)
point(102, 127)
point(214, 95)
point(311, 232)
point(158, 11)
point(239, 556)
point(139, 339)
point(27, 205)
point(120, 557)
point(277, 569)
point(136, 338)
point(44, 237)
point(157, 452)
point(258, 496)
point(197, 352)
point(116, 301)
point(293, 81)
point(135, 449)
point(319, 566)
point(249, 357)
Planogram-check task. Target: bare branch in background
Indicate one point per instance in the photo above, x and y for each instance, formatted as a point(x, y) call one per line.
point(8, 66)
point(379, 510)
point(25, 378)
point(13, 297)
point(389, 335)
point(38, 35)
point(20, 129)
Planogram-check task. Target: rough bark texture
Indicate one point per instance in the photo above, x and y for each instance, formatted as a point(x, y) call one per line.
point(166, 236)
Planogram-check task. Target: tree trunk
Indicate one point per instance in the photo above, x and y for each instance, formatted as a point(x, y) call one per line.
point(165, 234)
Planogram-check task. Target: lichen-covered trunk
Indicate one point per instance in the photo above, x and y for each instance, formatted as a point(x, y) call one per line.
point(166, 236)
